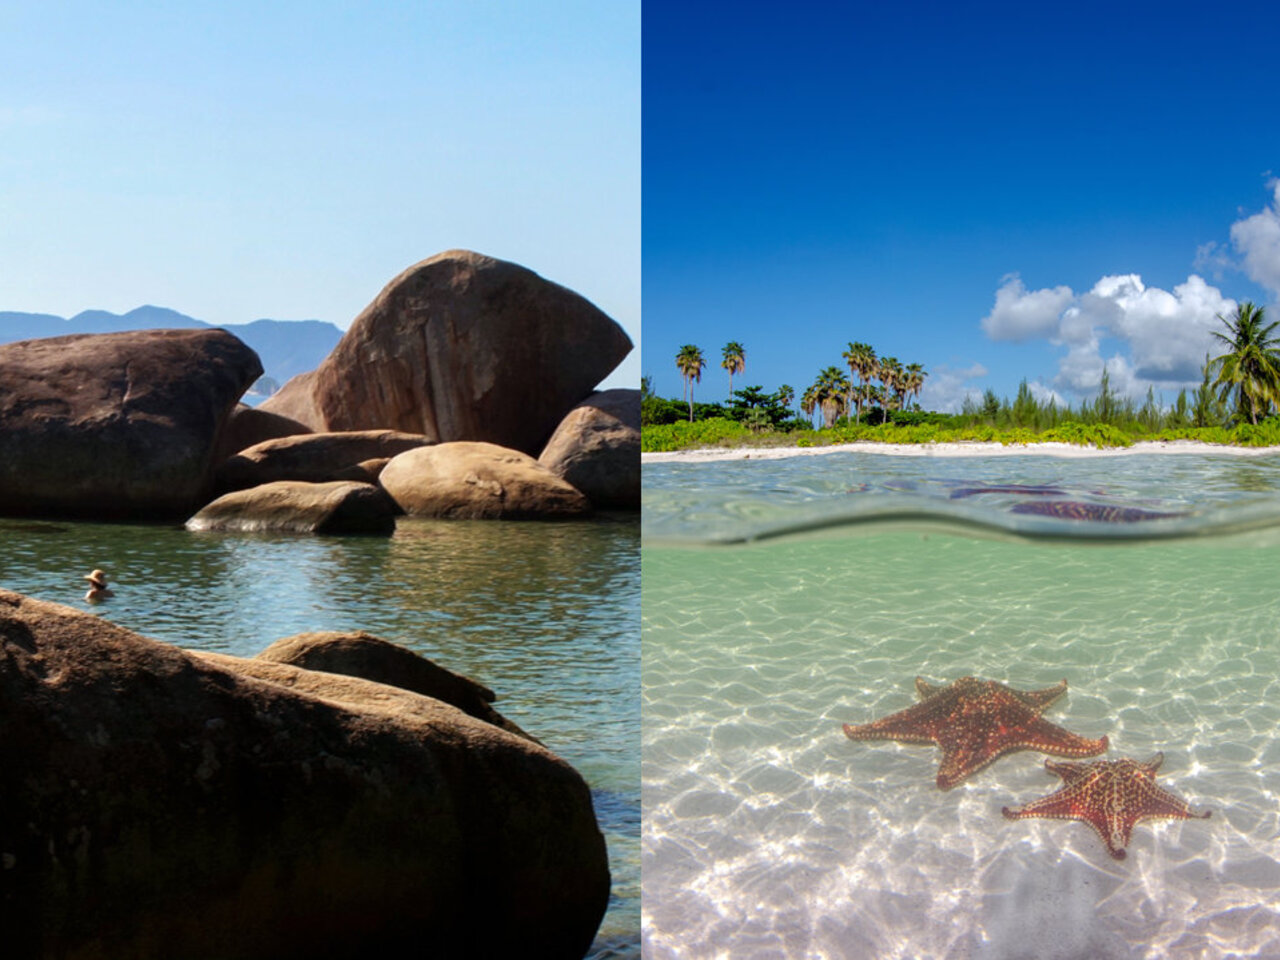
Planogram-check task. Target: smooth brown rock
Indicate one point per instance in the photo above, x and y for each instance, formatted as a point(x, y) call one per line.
point(478, 481)
point(161, 803)
point(360, 654)
point(313, 457)
point(248, 426)
point(116, 425)
point(597, 449)
point(369, 470)
point(461, 347)
point(294, 507)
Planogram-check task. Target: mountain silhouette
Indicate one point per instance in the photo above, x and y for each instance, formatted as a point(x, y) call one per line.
point(286, 347)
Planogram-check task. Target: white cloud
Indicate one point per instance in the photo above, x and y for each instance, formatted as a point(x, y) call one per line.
point(1045, 394)
point(1168, 333)
point(946, 388)
point(1019, 315)
point(1163, 336)
point(1212, 258)
point(1257, 239)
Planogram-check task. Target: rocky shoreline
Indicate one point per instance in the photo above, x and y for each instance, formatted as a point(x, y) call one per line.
point(336, 795)
point(484, 363)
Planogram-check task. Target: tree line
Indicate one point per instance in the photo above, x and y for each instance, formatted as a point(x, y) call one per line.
point(1241, 385)
point(832, 393)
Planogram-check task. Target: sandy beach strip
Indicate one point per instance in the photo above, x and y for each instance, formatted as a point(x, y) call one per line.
point(960, 449)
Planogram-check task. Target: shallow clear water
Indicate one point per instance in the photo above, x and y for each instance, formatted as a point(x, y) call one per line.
point(544, 614)
point(768, 833)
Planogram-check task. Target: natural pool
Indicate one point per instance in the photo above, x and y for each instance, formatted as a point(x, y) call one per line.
point(545, 614)
point(785, 598)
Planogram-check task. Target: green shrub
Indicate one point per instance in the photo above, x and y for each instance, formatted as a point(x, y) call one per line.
point(683, 434)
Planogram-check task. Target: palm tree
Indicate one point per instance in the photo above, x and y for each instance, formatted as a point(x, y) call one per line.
point(786, 394)
point(809, 401)
point(690, 363)
point(875, 398)
point(892, 376)
point(1251, 366)
point(859, 394)
point(831, 390)
point(915, 378)
point(861, 358)
point(735, 361)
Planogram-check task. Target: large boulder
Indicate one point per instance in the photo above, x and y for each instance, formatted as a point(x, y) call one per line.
point(248, 426)
point(478, 481)
point(162, 803)
point(461, 347)
point(313, 457)
point(597, 449)
point(293, 507)
point(360, 654)
point(116, 425)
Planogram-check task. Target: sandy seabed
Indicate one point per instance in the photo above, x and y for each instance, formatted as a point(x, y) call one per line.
point(963, 449)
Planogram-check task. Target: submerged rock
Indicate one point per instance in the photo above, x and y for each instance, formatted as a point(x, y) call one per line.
point(596, 448)
point(461, 347)
point(360, 654)
point(161, 803)
point(296, 507)
point(116, 425)
point(478, 481)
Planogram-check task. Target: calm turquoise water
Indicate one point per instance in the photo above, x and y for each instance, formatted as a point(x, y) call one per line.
point(545, 614)
point(768, 833)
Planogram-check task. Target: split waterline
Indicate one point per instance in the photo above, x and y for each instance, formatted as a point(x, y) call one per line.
point(785, 598)
point(545, 614)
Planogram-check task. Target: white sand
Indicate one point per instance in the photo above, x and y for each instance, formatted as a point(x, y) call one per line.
point(962, 449)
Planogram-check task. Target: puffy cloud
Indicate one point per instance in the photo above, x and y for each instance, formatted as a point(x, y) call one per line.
point(1163, 335)
point(1168, 333)
point(1257, 239)
point(947, 387)
point(1019, 315)
point(1045, 394)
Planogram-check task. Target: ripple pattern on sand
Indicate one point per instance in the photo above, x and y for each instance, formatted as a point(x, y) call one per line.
point(766, 829)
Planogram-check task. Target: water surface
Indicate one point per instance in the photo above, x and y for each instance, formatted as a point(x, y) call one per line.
point(785, 598)
point(545, 614)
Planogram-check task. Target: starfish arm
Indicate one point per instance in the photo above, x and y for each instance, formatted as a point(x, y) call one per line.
point(925, 689)
point(1056, 806)
point(916, 724)
point(957, 767)
point(1114, 831)
point(1038, 700)
point(1152, 765)
point(1069, 772)
point(1040, 734)
point(1163, 805)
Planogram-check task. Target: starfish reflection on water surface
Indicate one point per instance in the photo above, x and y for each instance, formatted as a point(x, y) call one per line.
point(1109, 795)
point(974, 722)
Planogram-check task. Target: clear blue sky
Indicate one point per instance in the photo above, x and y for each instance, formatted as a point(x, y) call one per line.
point(240, 160)
point(996, 191)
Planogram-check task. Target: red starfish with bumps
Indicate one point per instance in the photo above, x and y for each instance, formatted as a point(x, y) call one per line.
point(974, 722)
point(1110, 796)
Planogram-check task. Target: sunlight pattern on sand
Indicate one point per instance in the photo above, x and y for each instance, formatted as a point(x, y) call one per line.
point(767, 829)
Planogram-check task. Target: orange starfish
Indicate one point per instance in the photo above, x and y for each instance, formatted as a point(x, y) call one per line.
point(1110, 796)
point(974, 722)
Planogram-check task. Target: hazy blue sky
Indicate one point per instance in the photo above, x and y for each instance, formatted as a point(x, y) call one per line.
point(996, 191)
point(240, 160)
